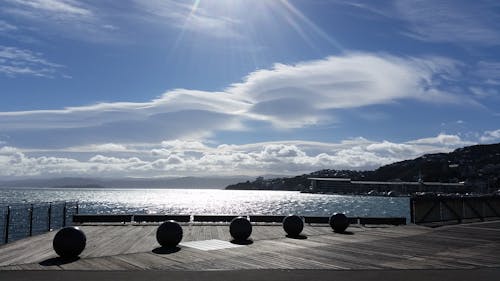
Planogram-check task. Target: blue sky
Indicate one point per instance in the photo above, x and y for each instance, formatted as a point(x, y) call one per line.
point(175, 88)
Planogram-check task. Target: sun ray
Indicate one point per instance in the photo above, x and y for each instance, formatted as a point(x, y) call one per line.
point(305, 20)
point(180, 36)
point(194, 8)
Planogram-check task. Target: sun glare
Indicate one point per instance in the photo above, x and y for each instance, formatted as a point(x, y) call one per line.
point(194, 7)
point(246, 15)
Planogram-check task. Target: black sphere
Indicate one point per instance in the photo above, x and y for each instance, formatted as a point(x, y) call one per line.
point(293, 225)
point(169, 234)
point(69, 242)
point(240, 229)
point(339, 222)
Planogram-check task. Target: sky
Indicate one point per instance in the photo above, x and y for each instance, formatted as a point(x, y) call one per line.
point(131, 88)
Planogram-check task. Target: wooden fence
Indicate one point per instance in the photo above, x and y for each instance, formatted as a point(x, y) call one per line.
point(442, 209)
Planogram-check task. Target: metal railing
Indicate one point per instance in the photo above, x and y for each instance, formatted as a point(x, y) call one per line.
point(22, 220)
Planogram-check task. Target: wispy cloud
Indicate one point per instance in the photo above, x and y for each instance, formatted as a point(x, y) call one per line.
point(18, 62)
point(189, 16)
point(485, 80)
point(444, 21)
point(68, 18)
point(473, 22)
point(96, 22)
point(178, 113)
point(489, 72)
point(5, 26)
point(303, 94)
point(484, 92)
point(285, 96)
point(65, 8)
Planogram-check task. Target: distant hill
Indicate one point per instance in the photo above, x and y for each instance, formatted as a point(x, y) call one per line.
point(478, 165)
point(181, 182)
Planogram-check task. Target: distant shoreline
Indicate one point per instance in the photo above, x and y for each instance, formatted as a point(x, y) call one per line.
point(103, 187)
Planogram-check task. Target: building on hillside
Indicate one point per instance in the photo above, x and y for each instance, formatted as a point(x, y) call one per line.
point(347, 186)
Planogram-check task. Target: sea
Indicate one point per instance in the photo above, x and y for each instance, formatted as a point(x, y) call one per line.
point(183, 201)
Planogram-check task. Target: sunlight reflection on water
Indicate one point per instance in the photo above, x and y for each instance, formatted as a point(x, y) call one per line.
point(211, 201)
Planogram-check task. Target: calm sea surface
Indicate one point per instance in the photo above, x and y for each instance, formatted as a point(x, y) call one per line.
point(210, 201)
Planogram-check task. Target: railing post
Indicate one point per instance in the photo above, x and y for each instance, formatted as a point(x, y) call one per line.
point(76, 212)
point(412, 210)
point(7, 221)
point(31, 219)
point(64, 214)
point(49, 216)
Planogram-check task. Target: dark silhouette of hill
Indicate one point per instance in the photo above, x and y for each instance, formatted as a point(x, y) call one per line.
point(478, 165)
point(75, 182)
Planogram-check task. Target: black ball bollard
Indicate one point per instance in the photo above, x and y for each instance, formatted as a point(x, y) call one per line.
point(169, 234)
point(339, 222)
point(293, 225)
point(69, 242)
point(240, 229)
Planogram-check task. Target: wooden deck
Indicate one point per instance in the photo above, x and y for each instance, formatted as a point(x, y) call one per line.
point(134, 247)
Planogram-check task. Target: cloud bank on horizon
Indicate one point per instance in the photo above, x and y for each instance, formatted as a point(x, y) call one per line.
point(325, 106)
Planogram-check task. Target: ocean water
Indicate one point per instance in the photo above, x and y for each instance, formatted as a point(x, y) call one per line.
point(210, 201)
point(185, 201)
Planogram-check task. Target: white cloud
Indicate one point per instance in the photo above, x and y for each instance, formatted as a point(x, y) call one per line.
point(16, 62)
point(299, 95)
point(177, 114)
point(18, 164)
point(392, 148)
point(162, 152)
point(105, 147)
point(490, 136)
point(443, 139)
point(6, 150)
point(184, 145)
point(114, 160)
point(286, 96)
point(283, 157)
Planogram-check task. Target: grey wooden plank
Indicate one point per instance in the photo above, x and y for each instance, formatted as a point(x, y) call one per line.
point(149, 261)
point(86, 264)
point(30, 251)
point(11, 267)
point(25, 247)
point(129, 247)
point(35, 266)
